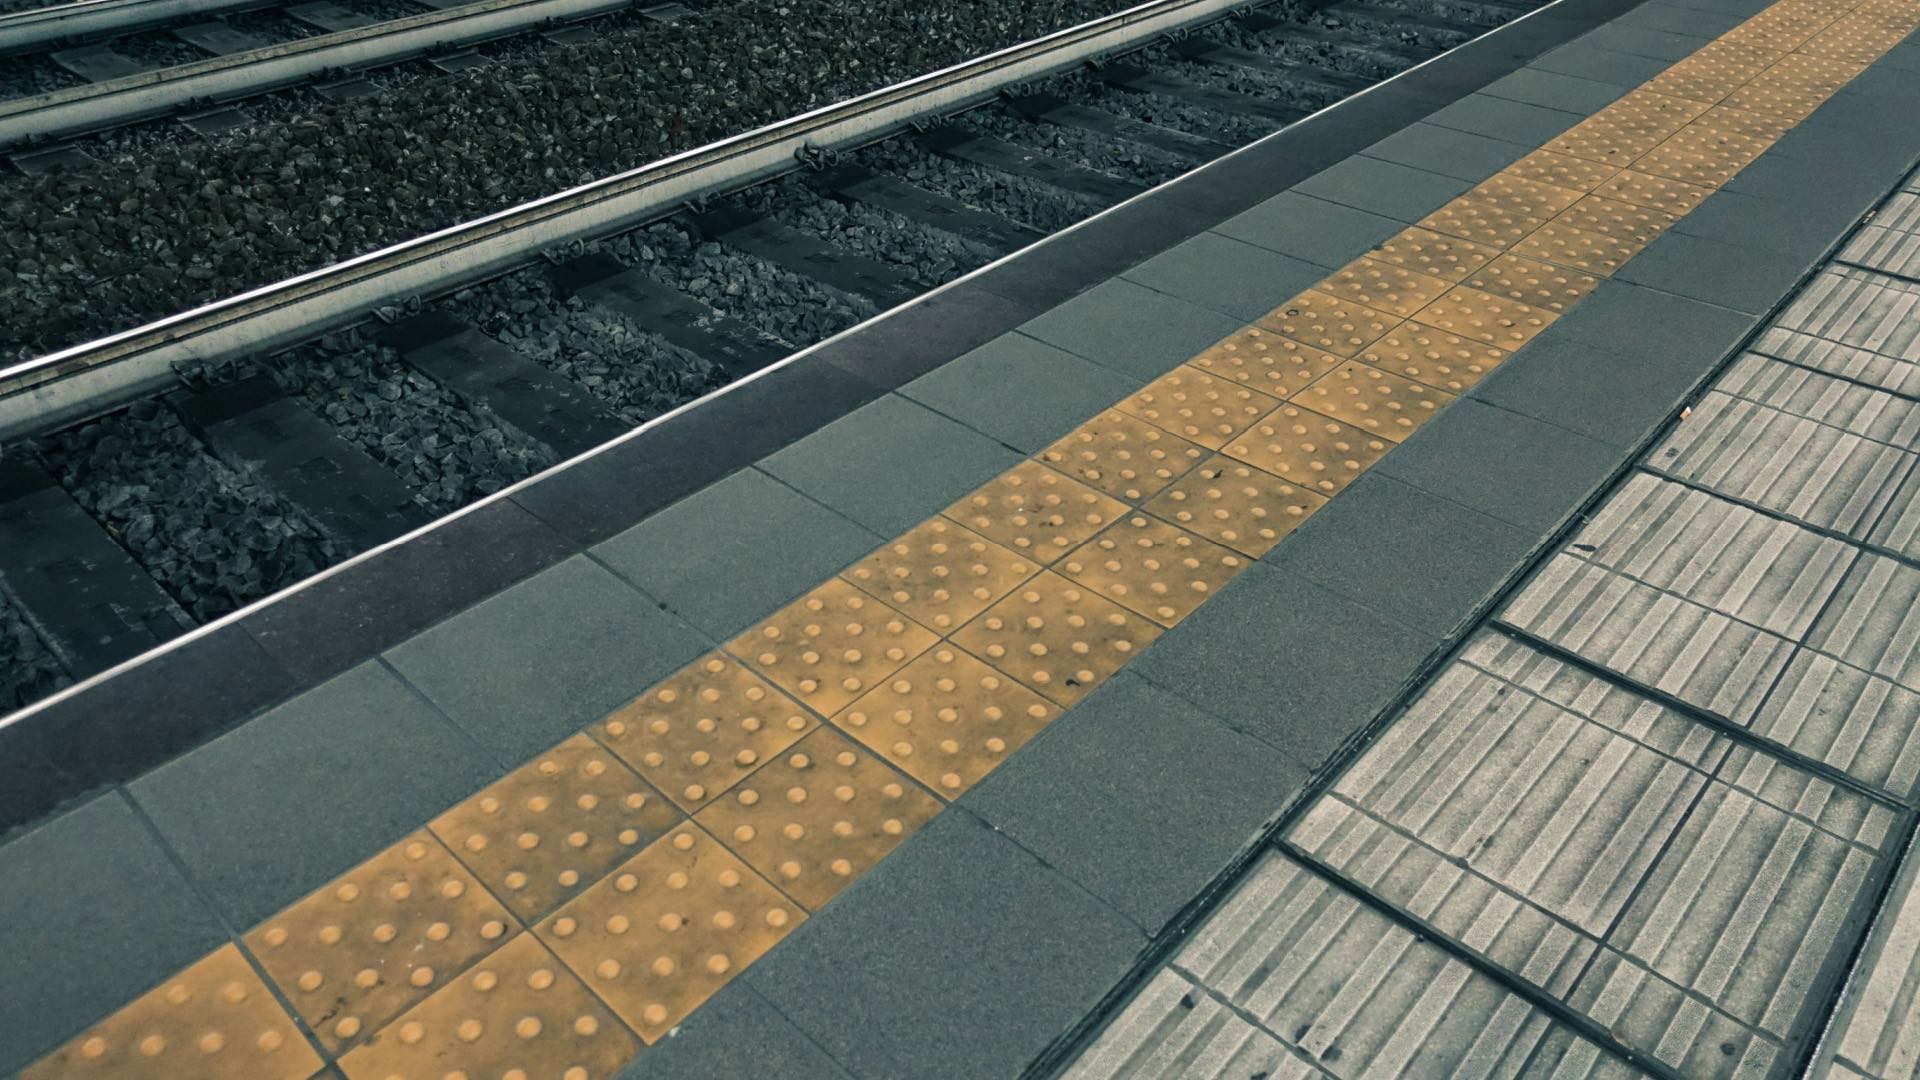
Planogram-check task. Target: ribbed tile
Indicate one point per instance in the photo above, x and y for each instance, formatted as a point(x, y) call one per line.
point(1854, 720)
point(1176, 1029)
point(1879, 1032)
point(1860, 308)
point(1890, 241)
point(1899, 527)
point(1837, 402)
point(1874, 622)
point(1847, 361)
point(1361, 996)
point(1758, 569)
point(1788, 464)
point(1696, 654)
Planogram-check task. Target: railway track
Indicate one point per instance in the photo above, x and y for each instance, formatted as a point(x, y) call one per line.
point(163, 477)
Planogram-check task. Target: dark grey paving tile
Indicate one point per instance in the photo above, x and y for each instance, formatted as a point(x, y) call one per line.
point(1740, 9)
point(1420, 559)
point(266, 814)
point(1226, 275)
point(1589, 389)
point(856, 464)
point(531, 666)
point(1642, 41)
point(1139, 796)
point(1639, 322)
point(961, 956)
point(1020, 391)
point(727, 555)
point(96, 915)
point(1885, 83)
point(910, 341)
point(1856, 135)
point(1382, 187)
point(1316, 230)
point(1586, 61)
point(1448, 151)
point(735, 1033)
point(1797, 181)
point(1294, 664)
point(1682, 20)
point(1552, 90)
point(1513, 467)
point(1800, 229)
point(1097, 249)
point(1727, 275)
point(1132, 329)
point(1500, 118)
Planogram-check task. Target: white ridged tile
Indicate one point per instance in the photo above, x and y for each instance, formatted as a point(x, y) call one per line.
point(1862, 365)
point(1877, 1032)
point(1860, 308)
point(1874, 623)
point(1854, 720)
point(1899, 527)
point(1862, 410)
point(1890, 241)
point(1176, 1029)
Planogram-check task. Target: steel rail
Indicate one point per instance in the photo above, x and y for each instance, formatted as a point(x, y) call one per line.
point(77, 109)
point(83, 379)
point(21, 31)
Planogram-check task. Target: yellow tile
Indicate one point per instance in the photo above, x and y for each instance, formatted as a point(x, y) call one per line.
point(379, 939)
point(1445, 361)
point(668, 928)
point(702, 730)
point(1122, 455)
point(1310, 449)
point(214, 1021)
point(1384, 286)
point(1482, 316)
point(1742, 122)
point(1578, 249)
point(518, 1013)
point(1429, 252)
point(948, 719)
point(1038, 513)
point(1561, 170)
point(941, 573)
point(1539, 284)
point(1856, 41)
point(1699, 154)
point(832, 645)
point(1483, 220)
point(1606, 142)
point(1713, 72)
point(1059, 637)
point(1611, 217)
point(1653, 192)
point(1377, 402)
point(1198, 405)
point(819, 815)
point(1327, 322)
point(1524, 197)
point(1238, 505)
point(555, 825)
point(1159, 570)
point(1265, 361)
point(1655, 111)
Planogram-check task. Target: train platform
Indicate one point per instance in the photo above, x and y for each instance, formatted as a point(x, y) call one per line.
point(1433, 593)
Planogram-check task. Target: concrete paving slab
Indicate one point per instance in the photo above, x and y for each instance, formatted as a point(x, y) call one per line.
point(1851, 719)
point(1503, 118)
point(1874, 620)
point(549, 656)
point(1384, 188)
point(1316, 230)
point(1726, 275)
point(1226, 275)
point(1523, 471)
point(1586, 388)
point(1448, 151)
point(1650, 43)
point(705, 557)
point(1137, 331)
point(1020, 391)
point(1682, 20)
point(1646, 324)
point(1553, 90)
point(1176, 1028)
point(1584, 60)
point(1899, 528)
point(363, 750)
point(735, 1034)
point(852, 464)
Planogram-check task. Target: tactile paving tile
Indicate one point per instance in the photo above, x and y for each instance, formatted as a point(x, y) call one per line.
point(1712, 72)
point(941, 573)
point(1698, 154)
point(669, 928)
point(1265, 361)
point(1497, 321)
point(1384, 286)
point(1240, 506)
point(700, 731)
point(1374, 401)
point(380, 938)
point(1653, 111)
point(1159, 570)
point(1601, 140)
point(1611, 217)
point(1483, 220)
point(1522, 196)
point(1592, 252)
point(819, 816)
point(1300, 446)
point(1341, 327)
point(1791, 89)
point(948, 719)
point(1857, 41)
point(832, 645)
point(555, 825)
point(1197, 405)
point(1176, 1029)
point(1742, 122)
point(1036, 512)
point(1122, 455)
point(518, 1014)
point(1057, 636)
point(215, 1021)
point(1435, 357)
point(1660, 193)
point(1429, 252)
point(1534, 283)
point(1561, 170)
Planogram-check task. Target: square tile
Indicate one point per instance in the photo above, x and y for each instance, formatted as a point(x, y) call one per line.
point(1130, 328)
point(1321, 232)
point(1501, 118)
point(1383, 187)
point(706, 558)
point(1139, 796)
point(1236, 504)
point(98, 913)
point(1728, 275)
point(1588, 388)
point(1156, 569)
point(1801, 228)
point(1058, 637)
point(1227, 275)
point(1552, 90)
point(858, 464)
point(958, 933)
point(1590, 61)
point(1209, 409)
point(1643, 323)
point(1020, 391)
point(1373, 401)
point(1640, 41)
point(1123, 456)
point(1036, 512)
point(736, 1033)
point(362, 749)
point(831, 645)
point(1447, 151)
point(1681, 20)
point(546, 658)
point(941, 574)
point(1521, 470)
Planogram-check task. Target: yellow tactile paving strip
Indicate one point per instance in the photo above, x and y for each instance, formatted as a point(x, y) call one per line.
point(593, 898)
